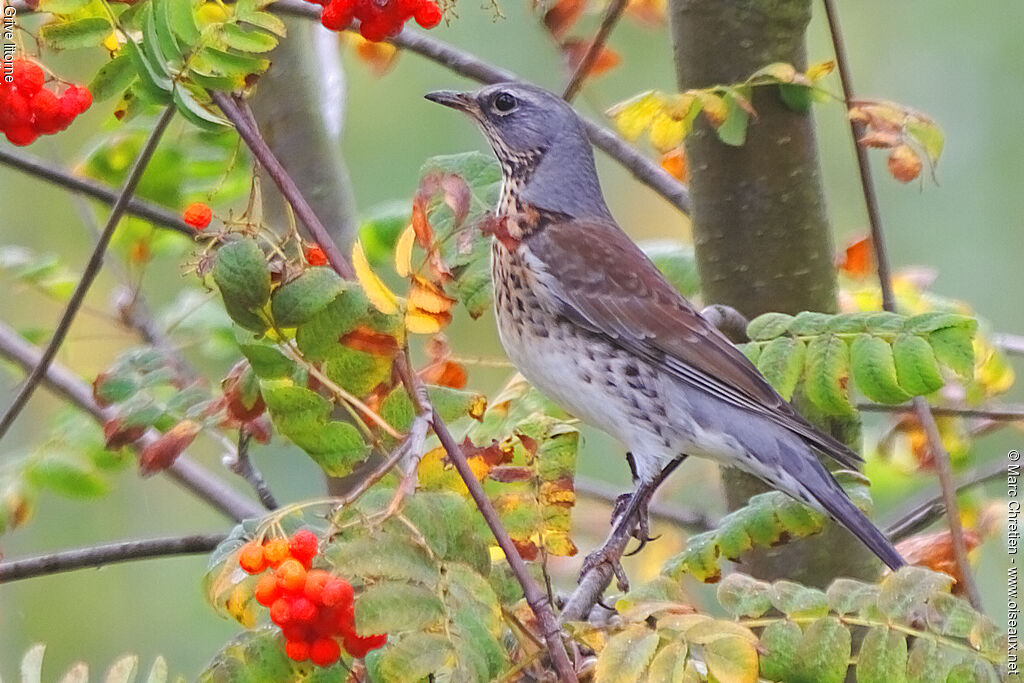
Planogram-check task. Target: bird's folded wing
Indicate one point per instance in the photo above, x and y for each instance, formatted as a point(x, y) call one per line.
point(600, 280)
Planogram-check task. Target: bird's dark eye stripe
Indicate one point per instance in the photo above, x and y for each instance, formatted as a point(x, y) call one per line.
point(504, 101)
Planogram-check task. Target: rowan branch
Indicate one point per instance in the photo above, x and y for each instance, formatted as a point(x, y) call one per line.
point(939, 454)
point(611, 18)
point(157, 215)
point(466, 64)
point(186, 472)
point(237, 460)
point(996, 413)
point(536, 597)
point(111, 553)
point(238, 113)
point(92, 269)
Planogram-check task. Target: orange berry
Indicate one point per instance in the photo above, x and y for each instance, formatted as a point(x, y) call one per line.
point(291, 576)
point(197, 215)
point(315, 582)
point(276, 551)
point(315, 256)
point(337, 592)
point(297, 650)
point(251, 558)
point(324, 651)
point(267, 590)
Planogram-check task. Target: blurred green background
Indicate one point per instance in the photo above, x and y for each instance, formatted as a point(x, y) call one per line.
point(953, 61)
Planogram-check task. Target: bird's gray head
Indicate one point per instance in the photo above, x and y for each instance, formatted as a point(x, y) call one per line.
point(540, 143)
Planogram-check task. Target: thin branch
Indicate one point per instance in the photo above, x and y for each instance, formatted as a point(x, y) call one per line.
point(237, 460)
point(536, 597)
point(939, 454)
point(111, 553)
point(241, 117)
point(923, 514)
point(89, 274)
point(470, 66)
point(51, 173)
point(1012, 344)
point(997, 413)
point(690, 518)
point(189, 474)
point(611, 17)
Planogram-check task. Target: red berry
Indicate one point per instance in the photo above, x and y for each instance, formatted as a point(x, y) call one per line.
point(337, 592)
point(358, 646)
point(46, 112)
point(315, 582)
point(407, 8)
point(267, 590)
point(196, 214)
point(374, 29)
point(326, 623)
point(345, 619)
point(304, 544)
point(324, 651)
point(251, 558)
point(291, 576)
point(21, 134)
point(315, 256)
point(297, 650)
point(338, 14)
point(81, 96)
point(15, 109)
point(302, 609)
point(281, 612)
point(428, 15)
point(295, 632)
point(28, 77)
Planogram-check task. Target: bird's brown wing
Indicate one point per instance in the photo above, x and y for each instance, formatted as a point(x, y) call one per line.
point(600, 280)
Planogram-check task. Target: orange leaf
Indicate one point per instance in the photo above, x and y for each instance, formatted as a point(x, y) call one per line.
point(161, 453)
point(573, 51)
point(650, 12)
point(674, 162)
point(370, 341)
point(880, 139)
point(420, 224)
point(904, 164)
point(561, 16)
point(935, 551)
point(428, 297)
point(419, 321)
point(858, 259)
point(378, 56)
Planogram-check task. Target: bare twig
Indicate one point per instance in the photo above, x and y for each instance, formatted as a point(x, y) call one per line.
point(536, 597)
point(111, 553)
point(192, 476)
point(153, 213)
point(237, 460)
point(89, 274)
point(611, 17)
point(923, 514)
point(997, 413)
point(1012, 344)
point(694, 519)
point(466, 64)
point(939, 454)
point(240, 116)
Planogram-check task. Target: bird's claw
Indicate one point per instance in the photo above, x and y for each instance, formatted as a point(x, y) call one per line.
point(604, 555)
point(641, 531)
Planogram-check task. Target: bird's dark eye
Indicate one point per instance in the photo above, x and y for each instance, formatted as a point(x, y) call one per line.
point(505, 102)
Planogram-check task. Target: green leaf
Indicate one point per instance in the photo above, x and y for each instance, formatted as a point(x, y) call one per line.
point(66, 475)
point(928, 661)
point(903, 591)
point(676, 262)
point(267, 362)
point(882, 657)
point(874, 369)
point(181, 18)
point(733, 130)
point(152, 84)
point(216, 62)
point(161, 27)
point(257, 656)
point(796, 97)
point(810, 323)
point(62, 6)
point(797, 601)
point(357, 372)
point(954, 347)
point(928, 135)
point(917, 369)
point(768, 326)
point(197, 112)
point(846, 596)
point(824, 651)
point(411, 659)
point(113, 78)
point(627, 654)
point(828, 374)
point(392, 606)
point(299, 300)
point(66, 35)
point(781, 361)
point(247, 41)
point(403, 561)
point(780, 645)
point(948, 615)
point(242, 274)
point(744, 596)
point(318, 337)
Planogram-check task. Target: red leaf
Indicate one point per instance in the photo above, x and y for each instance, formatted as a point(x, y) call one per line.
point(492, 455)
point(561, 17)
point(858, 259)
point(119, 435)
point(528, 550)
point(510, 473)
point(370, 341)
point(161, 453)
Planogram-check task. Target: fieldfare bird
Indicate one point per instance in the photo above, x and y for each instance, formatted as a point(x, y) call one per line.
point(591, 322)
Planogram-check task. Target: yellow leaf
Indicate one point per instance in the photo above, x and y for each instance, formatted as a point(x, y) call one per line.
point(667, 133)
point(783, 72)
point(714, 108)
point(428, 297)
point(731, 659)
point(112, 42)
point(818, 71)
point(403, 252)
point(634, 116)
point(419, 321)
point(383, 299)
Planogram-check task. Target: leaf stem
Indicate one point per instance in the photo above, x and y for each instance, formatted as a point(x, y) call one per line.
point(611, 18)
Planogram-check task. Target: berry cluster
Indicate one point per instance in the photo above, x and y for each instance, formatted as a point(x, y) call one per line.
point(28, 109)
point(378, 19)
point(315, 256)
point(312, 607)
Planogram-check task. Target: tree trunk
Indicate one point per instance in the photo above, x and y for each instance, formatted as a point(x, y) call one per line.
point(761, 233)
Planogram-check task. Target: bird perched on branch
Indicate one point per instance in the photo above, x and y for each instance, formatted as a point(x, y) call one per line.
point(590, 321)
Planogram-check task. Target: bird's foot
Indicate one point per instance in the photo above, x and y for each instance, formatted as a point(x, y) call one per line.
point(641, 530)
point(606, 554)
